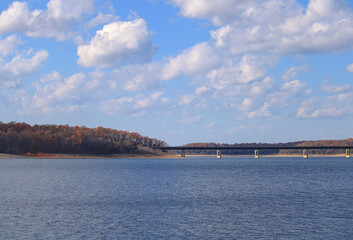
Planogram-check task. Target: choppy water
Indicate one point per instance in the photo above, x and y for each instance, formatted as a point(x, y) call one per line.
point(193, 198)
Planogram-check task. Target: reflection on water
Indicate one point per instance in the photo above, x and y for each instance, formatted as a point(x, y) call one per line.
point(192, 198)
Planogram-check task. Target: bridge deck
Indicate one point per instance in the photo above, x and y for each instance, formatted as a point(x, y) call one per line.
point(255, 147)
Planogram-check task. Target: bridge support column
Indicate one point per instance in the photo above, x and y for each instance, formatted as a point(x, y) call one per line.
point(347, 153)
point(257, 155)
point(305, 153)
point(183, 153)
point(219, 154)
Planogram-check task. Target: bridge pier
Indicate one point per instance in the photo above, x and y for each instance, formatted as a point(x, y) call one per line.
point(305, 153)
point(347, 153)
point(183, 153)
point(219, 154)
point(257, 155)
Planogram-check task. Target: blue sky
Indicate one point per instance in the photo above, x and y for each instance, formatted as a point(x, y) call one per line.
point(227, 71)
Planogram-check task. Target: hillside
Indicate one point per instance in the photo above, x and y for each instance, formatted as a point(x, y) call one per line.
point(22, 138)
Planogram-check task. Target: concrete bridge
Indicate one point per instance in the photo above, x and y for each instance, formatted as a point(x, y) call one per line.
point(257, 149)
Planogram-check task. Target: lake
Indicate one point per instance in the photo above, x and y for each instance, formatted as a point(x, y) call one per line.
point(192, 198)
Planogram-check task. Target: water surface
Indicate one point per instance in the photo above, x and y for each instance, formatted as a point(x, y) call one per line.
point(192, 198)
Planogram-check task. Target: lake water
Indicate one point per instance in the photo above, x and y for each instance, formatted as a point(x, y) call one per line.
point(192, 198)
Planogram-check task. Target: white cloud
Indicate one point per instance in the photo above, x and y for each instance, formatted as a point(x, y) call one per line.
point(327, 112)
point(250, 39)
point(336, 89)
point(306, 106)
point(289, 90)
point(187, 99)
point(246, 104)
point(334, 106)
point(201, 90)
point(210, 125)
point(230, 71)
point(291, 73)
point(250, 68)
point(52, 77)
point(190, 120)
point(68, 9)
point(9, 44)
point(237, 129)
point(56, 21)
point(136, 78)
point(135, 105)
point(194, 61)
point(54, 93)
point(218, 11)
point(118, 42)
point(58, 92)
point(260, 88)
point(350, 68)
point(262, 112)
point(12, 73)
point(101, 19)
point(284, 27)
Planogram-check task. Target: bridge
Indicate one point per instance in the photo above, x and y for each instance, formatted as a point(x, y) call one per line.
point(257, 149)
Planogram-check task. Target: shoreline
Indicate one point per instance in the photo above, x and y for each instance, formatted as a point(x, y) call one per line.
point(146, 156)
point(83, 156)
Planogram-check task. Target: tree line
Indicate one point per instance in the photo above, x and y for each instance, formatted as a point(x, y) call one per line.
point(21, 138)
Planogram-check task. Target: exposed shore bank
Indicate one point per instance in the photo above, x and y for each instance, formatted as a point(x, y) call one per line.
point(83, 156)
point(147, 156)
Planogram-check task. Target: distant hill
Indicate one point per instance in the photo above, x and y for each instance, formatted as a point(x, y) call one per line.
point(22, 138)
point(345, 142)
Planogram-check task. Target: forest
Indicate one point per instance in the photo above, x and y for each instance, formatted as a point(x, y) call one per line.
point(22, 138)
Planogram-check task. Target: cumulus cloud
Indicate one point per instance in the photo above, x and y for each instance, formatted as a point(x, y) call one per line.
point(122, 91)
point(135, 105)
point(218, 11)
point(194, 61)
point(231, 69)
point(276, 26)
point(264, 111)
point(250, 38)
point(118, 42)
point(246, 104)
point(13, 72)
point(55, 92)
point(137, 78)
point(9, 44)
point(56, 21)
point(336, 105)
point(250, 68)
point(289, 90)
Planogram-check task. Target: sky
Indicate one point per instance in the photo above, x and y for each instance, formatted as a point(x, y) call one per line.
point(182, 71)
